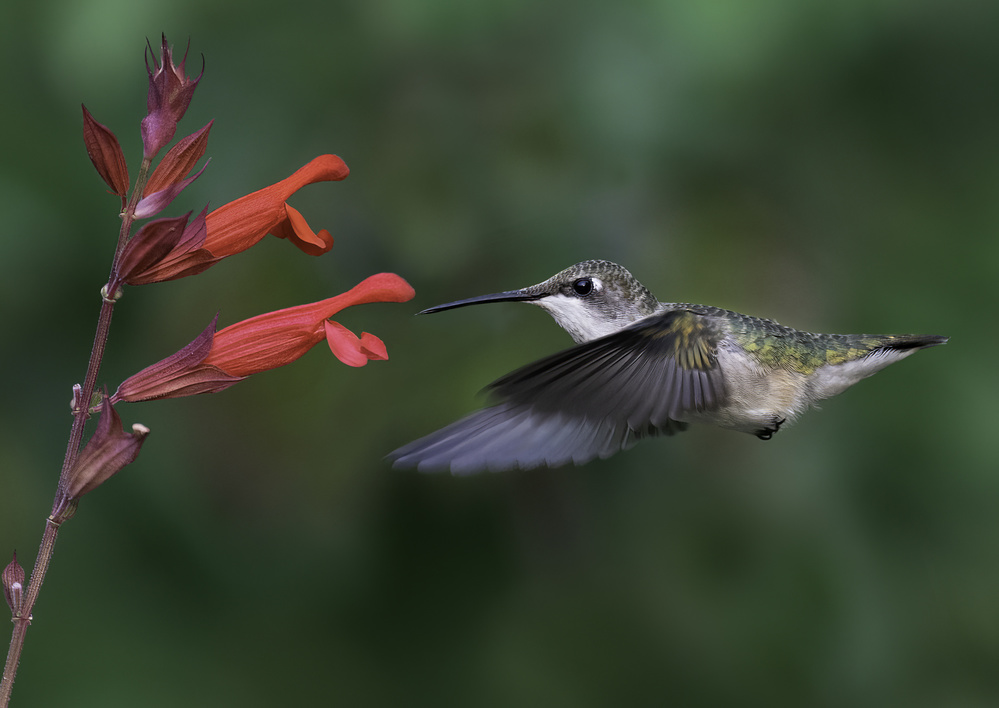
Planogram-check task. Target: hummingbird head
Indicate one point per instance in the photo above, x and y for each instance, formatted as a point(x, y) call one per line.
point(588, 300)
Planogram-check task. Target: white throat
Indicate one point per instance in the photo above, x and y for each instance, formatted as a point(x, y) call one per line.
point(581, 322)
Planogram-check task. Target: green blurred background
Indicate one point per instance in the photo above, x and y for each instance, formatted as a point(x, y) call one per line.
point(834, 166)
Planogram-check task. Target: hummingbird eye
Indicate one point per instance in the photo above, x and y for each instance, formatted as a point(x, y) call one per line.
point(583, 286)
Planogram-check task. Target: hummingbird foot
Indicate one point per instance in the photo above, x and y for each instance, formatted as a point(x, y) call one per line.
point(768, 432)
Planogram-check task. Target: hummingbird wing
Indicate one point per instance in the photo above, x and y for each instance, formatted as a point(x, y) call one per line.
point(588, 401)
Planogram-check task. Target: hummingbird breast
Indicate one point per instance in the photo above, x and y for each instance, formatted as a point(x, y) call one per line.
point(758, 396)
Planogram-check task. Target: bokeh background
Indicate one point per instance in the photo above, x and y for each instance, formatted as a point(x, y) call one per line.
point(834, 166)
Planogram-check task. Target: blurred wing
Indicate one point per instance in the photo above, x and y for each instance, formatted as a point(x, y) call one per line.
point(507, 435)
point(585, 402)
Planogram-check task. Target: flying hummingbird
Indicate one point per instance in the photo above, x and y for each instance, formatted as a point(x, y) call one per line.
point(641, 368)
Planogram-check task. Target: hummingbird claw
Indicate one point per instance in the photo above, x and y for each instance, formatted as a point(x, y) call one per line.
point(768, 433)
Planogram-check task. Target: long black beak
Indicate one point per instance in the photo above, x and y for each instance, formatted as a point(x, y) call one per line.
point(508, 296)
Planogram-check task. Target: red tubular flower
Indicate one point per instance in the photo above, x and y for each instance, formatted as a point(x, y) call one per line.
point(170, 93)
point(234, 227)
point(238, 225)
point(217, 360)
point(277, 338)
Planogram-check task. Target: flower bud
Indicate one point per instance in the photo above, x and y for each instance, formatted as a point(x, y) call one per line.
point(105, 454)
point(13, 585)
point(170, 93)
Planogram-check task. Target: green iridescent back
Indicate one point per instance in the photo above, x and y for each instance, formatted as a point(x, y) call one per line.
point(778, 346)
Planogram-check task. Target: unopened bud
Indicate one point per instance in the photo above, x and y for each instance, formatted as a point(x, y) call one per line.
point(105, 454)
point(170, 92)
point(13, 585)
point(76, 405)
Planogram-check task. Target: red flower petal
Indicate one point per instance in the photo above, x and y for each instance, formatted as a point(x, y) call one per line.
point(296, 229)
point(345, 345)
point(351, 350)
point(373, 347)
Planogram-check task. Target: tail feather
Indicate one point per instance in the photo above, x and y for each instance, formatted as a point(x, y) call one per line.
point(880, 352)
point(912, 341)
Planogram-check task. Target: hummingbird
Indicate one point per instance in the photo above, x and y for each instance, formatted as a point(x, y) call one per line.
point(642, 368)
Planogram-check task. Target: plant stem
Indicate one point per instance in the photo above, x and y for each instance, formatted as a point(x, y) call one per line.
point(23, 618)
point(62, 508)
point(103, 329)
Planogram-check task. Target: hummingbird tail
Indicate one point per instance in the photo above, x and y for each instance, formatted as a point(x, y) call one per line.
point(913, 341)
